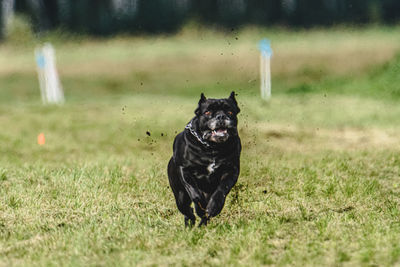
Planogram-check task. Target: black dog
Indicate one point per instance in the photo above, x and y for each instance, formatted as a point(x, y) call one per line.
point(206, 159)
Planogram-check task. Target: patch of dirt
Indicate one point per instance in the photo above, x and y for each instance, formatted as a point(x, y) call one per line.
point(293, 138)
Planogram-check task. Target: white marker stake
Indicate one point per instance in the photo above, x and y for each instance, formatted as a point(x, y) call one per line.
point(40, 61)
point(265, 69)
point(50, 86)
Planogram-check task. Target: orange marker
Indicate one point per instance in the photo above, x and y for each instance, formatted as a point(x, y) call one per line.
point(40, 139)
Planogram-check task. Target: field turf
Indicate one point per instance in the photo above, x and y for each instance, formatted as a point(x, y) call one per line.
point(320, 178)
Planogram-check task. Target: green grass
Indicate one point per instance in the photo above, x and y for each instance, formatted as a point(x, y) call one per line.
point(319, 183)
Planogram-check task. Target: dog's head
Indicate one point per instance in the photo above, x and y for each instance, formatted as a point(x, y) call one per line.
point(217, 118)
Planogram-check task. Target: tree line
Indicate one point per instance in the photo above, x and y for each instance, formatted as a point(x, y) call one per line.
point(104, 17)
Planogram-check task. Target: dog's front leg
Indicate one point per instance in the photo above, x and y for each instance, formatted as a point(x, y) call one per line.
point(217, 200)
point(194, 193)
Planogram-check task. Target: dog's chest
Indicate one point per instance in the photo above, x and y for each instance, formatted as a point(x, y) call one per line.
point(212, 167)
point(208, 169)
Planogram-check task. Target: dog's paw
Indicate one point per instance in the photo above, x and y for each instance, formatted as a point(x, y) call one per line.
point(203, 222)
point(215, 204)
point(190, 222)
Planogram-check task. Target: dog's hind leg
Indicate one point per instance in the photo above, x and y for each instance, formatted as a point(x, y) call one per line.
point(201, 212)
point(203, 221)
point(182, 198)
point(183, 202)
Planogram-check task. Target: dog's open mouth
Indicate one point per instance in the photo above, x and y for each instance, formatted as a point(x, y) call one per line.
point(222, 132)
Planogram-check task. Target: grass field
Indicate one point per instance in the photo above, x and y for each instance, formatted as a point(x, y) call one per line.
point(320, 178)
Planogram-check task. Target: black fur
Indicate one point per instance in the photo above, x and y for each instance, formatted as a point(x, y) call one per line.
point(206, 159)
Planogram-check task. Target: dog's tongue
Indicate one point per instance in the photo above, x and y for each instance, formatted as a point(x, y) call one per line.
point(220, 132)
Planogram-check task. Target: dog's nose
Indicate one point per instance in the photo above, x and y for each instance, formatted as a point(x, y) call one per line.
point(220, 117)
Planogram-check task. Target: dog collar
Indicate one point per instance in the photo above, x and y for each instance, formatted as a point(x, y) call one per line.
point(193, 132)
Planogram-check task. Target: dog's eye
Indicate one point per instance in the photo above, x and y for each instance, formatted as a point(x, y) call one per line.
point(230, 113)
point(207, 113)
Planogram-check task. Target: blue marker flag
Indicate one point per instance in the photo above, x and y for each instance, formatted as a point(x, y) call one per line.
point(265, 47)
point(41, 62)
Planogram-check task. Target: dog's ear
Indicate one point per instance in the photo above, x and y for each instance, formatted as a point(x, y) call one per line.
point(202, 100)
point(232, 97)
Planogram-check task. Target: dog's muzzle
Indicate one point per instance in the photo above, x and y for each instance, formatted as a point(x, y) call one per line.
point(219, 130)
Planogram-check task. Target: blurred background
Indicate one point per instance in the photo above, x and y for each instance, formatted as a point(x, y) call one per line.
point(132, 45)
point(335, 65)
point(107, 17)
point(335, 62)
